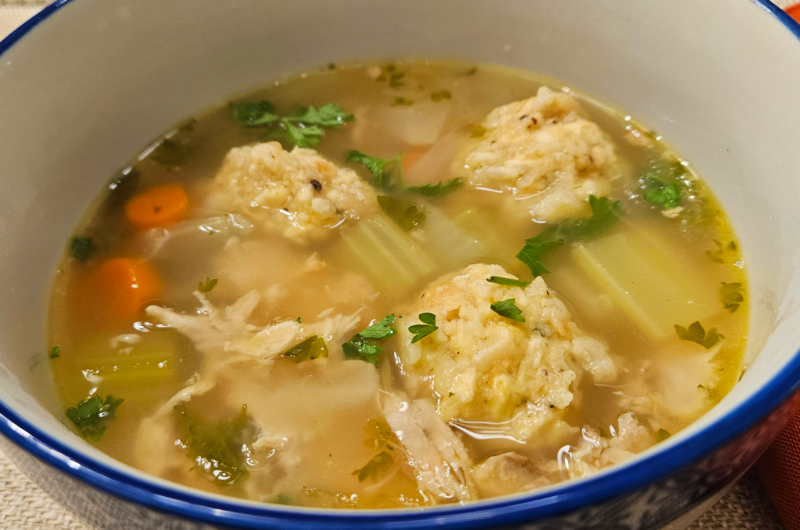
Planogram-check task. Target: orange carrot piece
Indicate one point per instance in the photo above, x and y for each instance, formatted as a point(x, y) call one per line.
point(159, 206)
point(412, 155)
point(794, 12)
point(118, 289)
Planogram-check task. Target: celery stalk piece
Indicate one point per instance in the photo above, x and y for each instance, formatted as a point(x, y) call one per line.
point(448, 244)
point(643, 280)
point(392, 259)
point(132, 370)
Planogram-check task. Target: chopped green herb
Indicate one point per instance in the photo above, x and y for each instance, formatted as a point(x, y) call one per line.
point(299, 321)
point(450, 394)
point(440, 95)
point(312, 348)
point(92, 415)
point(55, 352)
point(81, 248)
point(377, 166)
point(330, 116)
point(302, 127)
point(395, 80)
point(435, 190)
point(392, 179)
point(220, 449)
point(380, 330)
point(172, 151)
point(478, 131)
point(377, 465)
point(508, 281)
point(282, 498)
point(662, 434)
point(701, 386)
point(696, 333)
point(603, 433)
point(731, 295)
point(718, 255)
point(508, 308)
point(207, 286)
point(427, 327)
point(253, 114)
point(361, 349)
point(400, 101)
point(332, 66)
point(657, 191)
point(471, 71)
point(303, 135)
point(403, 212)
point(605, 215)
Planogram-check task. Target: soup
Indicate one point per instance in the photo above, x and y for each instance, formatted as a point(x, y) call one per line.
point(396, 285)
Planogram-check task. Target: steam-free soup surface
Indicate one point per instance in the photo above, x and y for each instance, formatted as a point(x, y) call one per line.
point(392, 285)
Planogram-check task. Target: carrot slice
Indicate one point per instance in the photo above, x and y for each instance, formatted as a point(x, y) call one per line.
point(116, 291)
point(412, 155)
point(794, 12)
point(159, 206)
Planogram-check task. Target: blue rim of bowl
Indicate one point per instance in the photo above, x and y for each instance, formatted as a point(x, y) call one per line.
point(614, 483)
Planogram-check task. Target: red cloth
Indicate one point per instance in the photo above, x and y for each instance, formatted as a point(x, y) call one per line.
point(780, 472)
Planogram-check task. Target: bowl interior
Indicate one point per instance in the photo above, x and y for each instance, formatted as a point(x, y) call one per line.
point(96, 81)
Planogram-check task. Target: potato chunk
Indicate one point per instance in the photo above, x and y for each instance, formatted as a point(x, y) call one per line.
point(544, 154)
point(298, 194)
point(486, 367)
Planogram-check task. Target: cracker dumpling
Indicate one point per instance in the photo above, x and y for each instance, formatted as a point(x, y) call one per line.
point(487, 367)
point(296, 193)
point(544, 154)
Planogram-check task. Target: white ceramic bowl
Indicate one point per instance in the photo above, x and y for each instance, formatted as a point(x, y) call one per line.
point(96, 80)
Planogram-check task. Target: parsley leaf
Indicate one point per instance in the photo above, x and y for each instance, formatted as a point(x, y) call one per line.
point(402, 102)
point(312, 348)
point(360, 348)
point(380, 329)
point(435, 190)
point(662, 434)
point(303, 135)
point(387, 180)
point(731, 295)
point(81, 248)
point(221, 448)
point(55, 352)
point(208, 285)
point(508, 308)
point(384, 179)
point(403, 212)
point(605, 215)
point(440, 95)
point(696, 333)
point(377, 465)
point(253, 114)
point(657, 191)
point(719, 254)
point(330, 116)
point(499, 280)
point(92, 415)
point(421, 331)
point(302, 127)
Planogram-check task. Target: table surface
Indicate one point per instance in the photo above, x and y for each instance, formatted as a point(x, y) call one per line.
point(24, 506)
